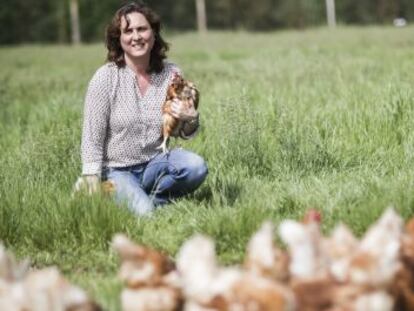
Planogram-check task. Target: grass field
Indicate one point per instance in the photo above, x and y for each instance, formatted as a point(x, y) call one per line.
point(291, 120)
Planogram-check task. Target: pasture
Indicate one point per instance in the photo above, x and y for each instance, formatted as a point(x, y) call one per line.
point(290, 121)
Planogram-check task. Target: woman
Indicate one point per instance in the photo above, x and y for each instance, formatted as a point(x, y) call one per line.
point(123, 118)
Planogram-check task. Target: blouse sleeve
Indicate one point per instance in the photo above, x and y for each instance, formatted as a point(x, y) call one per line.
point(95, 122)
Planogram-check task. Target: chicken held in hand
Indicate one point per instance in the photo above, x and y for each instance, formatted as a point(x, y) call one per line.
point(180, 107)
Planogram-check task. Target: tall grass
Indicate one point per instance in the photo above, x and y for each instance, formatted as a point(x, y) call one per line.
point(290, 120)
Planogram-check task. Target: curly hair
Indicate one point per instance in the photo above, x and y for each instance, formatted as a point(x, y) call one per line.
point(113, 34)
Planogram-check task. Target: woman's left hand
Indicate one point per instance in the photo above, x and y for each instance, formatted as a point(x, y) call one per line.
point(181, 112)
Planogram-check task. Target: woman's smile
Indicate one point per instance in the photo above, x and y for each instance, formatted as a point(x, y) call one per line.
point(137, 36)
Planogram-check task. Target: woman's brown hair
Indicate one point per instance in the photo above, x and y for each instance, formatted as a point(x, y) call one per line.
point(113, 34)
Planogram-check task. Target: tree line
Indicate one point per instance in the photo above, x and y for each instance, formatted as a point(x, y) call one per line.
point(50, 20)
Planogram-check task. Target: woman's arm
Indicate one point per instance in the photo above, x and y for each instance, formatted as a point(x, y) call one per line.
point(95, 122)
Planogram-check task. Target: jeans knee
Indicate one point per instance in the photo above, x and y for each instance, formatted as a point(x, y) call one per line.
point(198, 170)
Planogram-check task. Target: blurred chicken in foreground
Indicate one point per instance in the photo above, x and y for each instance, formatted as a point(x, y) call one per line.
point(316, 272)
point(149, 276)
point(38, 290)
point(207, 286)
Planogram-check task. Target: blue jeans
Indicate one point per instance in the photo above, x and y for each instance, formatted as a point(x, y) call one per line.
point(167, 176)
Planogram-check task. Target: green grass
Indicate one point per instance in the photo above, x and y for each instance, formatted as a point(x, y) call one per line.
point(291, 120)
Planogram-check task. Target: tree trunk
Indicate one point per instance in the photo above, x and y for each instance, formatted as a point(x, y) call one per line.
point(201, 16)
point(61, 20)
point(74, 21)
point(330, 13)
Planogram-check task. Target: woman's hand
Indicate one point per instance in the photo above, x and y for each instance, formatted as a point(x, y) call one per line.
point(88, 183)
point(180, 111)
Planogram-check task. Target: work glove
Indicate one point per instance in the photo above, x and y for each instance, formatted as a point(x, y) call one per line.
point(182, 112)
point(88, 184)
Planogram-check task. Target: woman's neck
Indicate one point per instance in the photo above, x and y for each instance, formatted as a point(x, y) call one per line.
point(139, 66)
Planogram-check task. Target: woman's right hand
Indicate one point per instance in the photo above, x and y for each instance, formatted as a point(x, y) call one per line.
point(88, 184)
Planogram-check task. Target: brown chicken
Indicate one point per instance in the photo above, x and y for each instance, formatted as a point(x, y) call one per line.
point(185, 93)
point(152, 283)
point(26, 288)
point(317, 272)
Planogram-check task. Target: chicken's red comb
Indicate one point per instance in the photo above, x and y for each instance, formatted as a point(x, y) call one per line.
point(312, 215)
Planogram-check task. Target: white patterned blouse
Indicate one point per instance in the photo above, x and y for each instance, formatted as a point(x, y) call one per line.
point(121, 127)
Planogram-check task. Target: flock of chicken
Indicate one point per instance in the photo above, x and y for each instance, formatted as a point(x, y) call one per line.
point(337, 273)
point(25, 289)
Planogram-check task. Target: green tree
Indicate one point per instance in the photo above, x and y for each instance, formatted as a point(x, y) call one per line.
point(48, 20)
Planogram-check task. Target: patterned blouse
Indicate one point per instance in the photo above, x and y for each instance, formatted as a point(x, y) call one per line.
point(121, 127)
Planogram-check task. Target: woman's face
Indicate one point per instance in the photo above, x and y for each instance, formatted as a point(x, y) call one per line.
point(137, 39)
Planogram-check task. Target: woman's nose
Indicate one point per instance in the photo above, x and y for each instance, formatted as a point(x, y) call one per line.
point(136, 35)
